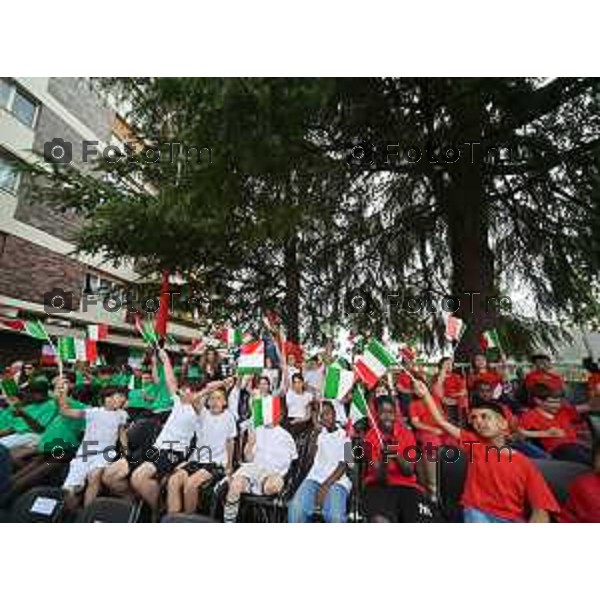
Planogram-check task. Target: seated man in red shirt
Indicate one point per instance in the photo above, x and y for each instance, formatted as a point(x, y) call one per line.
point(391, 488)
point(502, 485)
point(583, 501)
point(542, 373)
point(554, 424)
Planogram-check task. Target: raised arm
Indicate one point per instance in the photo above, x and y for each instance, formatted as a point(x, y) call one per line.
point(63, 405)
point(436, 413)
point(170, 378)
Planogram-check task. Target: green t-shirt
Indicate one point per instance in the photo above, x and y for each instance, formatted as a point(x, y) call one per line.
point(6, 418)
point(135, 398)
point(63, 429)
point(42, 412)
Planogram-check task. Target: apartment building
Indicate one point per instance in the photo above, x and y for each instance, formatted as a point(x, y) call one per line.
point(36, 241)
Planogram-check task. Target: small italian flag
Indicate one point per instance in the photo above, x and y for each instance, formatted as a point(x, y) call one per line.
point(455, 327)
point(489, 339)
point(70, 348)
point(252, 358)
point(97, 332)
point(358, 406)
point(233, 337)
point(338, 382)
point(266, 411)
point(373, 364)
point(35, 329)
point(146, 330)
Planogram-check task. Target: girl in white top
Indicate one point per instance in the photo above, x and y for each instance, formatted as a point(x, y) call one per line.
point(103, 428)
point(216, 431)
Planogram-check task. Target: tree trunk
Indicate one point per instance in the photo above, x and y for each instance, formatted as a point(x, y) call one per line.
point(292, 289)
point(468, 231)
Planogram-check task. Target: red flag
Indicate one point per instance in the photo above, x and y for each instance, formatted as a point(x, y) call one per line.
point(162, 317)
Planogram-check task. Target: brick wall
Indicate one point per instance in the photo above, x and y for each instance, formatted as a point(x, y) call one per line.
point(28, 271)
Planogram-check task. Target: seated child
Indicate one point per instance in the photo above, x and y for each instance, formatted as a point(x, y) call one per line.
point(211, 459)
point(554, 423)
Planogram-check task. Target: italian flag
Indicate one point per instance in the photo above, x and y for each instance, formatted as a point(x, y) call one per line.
point(489, 339)
point(455, 327)
point(35, 329)
point(358, 406)
point(374, 363)
point(266, 411)
point(48, 355)
point(70, 348)
point(9, 312)
point(338, 382)
point(146, 330)
point(97, 332)
point(233, 337)
point(252, 358)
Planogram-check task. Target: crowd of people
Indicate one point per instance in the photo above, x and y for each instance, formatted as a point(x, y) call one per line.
point(187, 438)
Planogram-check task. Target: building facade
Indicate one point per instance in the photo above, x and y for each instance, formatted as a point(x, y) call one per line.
point(36, 241)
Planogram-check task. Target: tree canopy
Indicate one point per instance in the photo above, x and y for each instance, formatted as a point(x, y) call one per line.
point(458, 187)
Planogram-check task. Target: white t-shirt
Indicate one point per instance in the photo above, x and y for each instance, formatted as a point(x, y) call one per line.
point(275, 449)
point(212, 432)
point(101, 429)
point(178, 431)
point(297, 403)
point(330, 452)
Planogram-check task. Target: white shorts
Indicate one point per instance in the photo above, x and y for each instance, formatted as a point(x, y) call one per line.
point(81, 466)
point(256, 475)
point(16, 440)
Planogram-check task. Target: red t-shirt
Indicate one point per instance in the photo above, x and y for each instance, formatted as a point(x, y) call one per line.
point(505, 487)
point(417, 408)
point(403, 382)
point(396, 443)
point(537, 420)
point(490, 376)
point(583, 502)
point(552, 380)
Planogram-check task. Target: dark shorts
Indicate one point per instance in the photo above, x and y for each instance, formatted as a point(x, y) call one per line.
point(397, 504)
point(217, 471)
point(165, 461)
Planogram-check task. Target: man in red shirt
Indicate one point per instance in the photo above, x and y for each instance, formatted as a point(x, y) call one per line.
point(502, 484)
point(554, 424)
point(542, 373)
point(583, 501)
point(481, 373)
point(391, 488)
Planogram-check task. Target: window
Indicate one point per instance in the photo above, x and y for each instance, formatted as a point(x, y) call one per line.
point(18, 102)
point(9, 175)
point(5, 93)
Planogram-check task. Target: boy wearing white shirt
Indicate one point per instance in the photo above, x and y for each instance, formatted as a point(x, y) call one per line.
point(326, 487)
point(270, 450)
point(103, 428)
point(216, 431)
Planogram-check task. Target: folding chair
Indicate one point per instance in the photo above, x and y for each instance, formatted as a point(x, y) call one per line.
point(39, 505)
point(559, 474)
point(451, 476)
point(111, 510)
